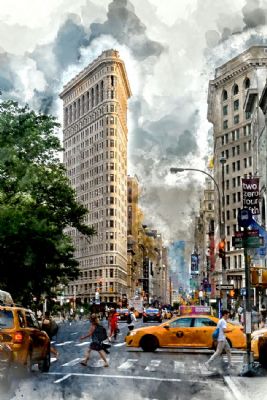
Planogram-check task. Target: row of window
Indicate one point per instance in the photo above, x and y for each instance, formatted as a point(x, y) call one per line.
point(236, 165)
point(90, 99)
point(235, 134)
point(235, 89)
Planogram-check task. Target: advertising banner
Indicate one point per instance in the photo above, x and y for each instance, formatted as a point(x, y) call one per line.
point(194, 264)
point(189, 310)
point(250, 187)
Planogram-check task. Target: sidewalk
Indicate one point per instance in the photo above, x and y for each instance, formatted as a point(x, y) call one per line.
point(247, 388)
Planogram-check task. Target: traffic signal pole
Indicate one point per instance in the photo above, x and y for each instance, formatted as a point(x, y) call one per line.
point(248, 365)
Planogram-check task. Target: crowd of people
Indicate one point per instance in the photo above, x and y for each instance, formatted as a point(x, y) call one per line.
point(258, 316)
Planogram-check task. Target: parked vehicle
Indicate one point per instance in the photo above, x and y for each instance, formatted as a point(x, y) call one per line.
point(20, 330)
point(122, 314)
point(138, 306)
point(187, 331)
point(259, 346)
point(152, 314)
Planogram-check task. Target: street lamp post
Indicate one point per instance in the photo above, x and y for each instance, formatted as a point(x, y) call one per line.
point(174, 170)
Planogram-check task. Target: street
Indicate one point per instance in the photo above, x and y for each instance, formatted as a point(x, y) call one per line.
point(132, 374)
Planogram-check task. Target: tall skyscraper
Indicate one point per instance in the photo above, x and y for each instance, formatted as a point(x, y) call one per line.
point(95, 155)
point(236, 86)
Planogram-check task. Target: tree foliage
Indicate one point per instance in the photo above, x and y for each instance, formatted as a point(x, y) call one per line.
point(37, 204)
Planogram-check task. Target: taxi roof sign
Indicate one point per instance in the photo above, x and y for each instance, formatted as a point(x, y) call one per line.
point(190, 310)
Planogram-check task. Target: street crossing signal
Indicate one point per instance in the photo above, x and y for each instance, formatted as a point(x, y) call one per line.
point(222, 253)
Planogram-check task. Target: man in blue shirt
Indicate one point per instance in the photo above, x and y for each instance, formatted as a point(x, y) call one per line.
point(222, 343)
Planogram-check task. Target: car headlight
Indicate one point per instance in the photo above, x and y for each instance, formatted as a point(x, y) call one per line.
point(256, 337)
point(132, 333)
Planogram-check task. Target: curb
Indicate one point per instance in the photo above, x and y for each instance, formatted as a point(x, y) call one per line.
point(234, 388)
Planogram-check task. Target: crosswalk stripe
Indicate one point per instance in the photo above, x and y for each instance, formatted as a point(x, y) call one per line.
point(82, 344)
point(71, 363)
point(127, 364)
point(64, 343)
point(179, 366)
point(153, 365)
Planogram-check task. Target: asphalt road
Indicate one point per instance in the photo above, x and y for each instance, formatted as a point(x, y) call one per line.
point(132, 374)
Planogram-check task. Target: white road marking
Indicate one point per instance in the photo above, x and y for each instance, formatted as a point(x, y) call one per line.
point(75, 333)
point(119, 344)
point(98, 364)
point(133, 377)
point(154, 364)
point(234, 389)
point(62, 379)
point(179, 366)
point(82, 344)
point(53, 359)
point(127, 364)
point(72, 362)
point(64, 343)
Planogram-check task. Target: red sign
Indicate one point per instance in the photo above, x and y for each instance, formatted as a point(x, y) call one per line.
point(248, 233)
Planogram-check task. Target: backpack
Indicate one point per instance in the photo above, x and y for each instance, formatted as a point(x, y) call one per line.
point(100, 334)
point(129, 318)
point(215, 334)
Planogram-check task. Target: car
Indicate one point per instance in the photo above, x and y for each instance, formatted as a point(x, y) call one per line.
point(192, 331)
point(259, 346)
point(20, 330)
point(152, 314)
point(122, 314)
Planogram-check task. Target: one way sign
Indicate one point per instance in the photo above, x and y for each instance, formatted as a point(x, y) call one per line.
point(224, 287)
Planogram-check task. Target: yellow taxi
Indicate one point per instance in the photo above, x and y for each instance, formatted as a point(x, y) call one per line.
point(185, 331)
point(259, 346)
point(20, 330)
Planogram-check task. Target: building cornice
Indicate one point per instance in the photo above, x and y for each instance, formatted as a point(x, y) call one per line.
point(245, 66)
point(108, 56)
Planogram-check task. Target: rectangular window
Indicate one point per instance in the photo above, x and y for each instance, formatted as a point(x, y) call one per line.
point(227, 215)
point(233, 151)
point(238, 150)
point(227, 169)
point(248, 115)
point(236, 105)
point(225, 110)
point(227, 184)
point(233, 180)
point(233, 166)
point(245, 163)
point(236, 119)
point(238, 196)
point(226, 138)
point(225, 124)
point(238, 165)
point(234, 197)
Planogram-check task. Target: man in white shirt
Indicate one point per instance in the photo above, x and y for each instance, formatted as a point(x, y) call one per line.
point(222, 343)
point(132, 319)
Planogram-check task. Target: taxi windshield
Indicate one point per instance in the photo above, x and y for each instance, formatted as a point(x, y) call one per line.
point(6, 319)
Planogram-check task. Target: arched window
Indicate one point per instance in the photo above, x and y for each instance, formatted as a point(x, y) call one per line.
point(235, 89)
point(224, 95)
point(246, 83)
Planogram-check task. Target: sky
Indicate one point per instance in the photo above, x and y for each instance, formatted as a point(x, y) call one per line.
point(170, 48)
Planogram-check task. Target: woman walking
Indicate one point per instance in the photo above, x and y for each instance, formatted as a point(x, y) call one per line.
point(96, 332)
point(113, 324)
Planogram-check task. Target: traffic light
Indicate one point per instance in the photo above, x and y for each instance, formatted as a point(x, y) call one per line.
point(222, 253)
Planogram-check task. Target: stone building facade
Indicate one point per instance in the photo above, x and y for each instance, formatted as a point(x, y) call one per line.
point(95, 156)
point(233, 153)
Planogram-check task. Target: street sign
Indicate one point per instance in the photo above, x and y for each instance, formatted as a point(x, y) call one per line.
point(244, 217)
point(224, 287)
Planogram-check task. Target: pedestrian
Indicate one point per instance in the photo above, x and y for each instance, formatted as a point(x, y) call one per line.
point(263, 313)
point(240, 312)
point(98, 334)
point(49, 325)
point(113, 324)
point(255, 318)
point(131, 319)
point(222, 343)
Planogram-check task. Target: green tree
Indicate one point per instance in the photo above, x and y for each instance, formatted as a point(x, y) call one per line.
point(37, 204)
